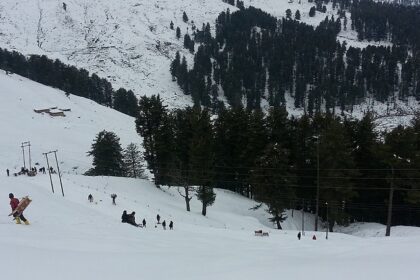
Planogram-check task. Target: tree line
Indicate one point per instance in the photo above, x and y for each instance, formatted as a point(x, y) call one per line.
point(69, 79)
point(255, 58)
point(280, 161)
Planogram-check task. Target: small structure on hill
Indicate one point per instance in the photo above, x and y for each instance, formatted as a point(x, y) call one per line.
point(53, 111)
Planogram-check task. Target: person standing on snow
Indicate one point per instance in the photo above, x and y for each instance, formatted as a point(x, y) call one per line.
point(164, 224)
point(144, 223)
point(113, 196)
point(158, 218)
point(299, 235)
point(171, 225)
point(8, 172)
point(14, 202)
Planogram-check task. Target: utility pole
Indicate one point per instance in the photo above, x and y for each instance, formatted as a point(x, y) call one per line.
point(49, 171)
point(390, 200)
point(26, 144)
point(58, 170)
point(303, 216)
point(30, 161)
point(328, 223)
point(23, 151)
point(317, 184)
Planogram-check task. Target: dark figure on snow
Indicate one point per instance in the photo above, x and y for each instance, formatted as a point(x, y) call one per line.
point(171, 225)
point(314, 237)
point(14, 202)
point(132, 219)
point(299, 235)
point(144, 223)
point(124, 217)
point(113, 196)
point(90, 198)
point(43, 170)
point(164, 224)
point(8, 172)
point(158, 218)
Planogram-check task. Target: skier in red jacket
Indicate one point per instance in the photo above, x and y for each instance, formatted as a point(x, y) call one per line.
point(14, 202)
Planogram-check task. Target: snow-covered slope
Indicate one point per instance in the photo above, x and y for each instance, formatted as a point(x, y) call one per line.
point(128, 42)
point(71, 135)
point(70, 238)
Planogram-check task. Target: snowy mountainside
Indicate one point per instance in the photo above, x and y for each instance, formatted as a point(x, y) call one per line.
point(71, 135)
point(128, 42)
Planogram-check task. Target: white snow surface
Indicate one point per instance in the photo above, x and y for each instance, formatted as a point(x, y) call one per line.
point(71, 135)
point(70, 238)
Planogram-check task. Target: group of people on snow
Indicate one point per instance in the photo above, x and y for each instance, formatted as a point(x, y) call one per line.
point(113, 197)
point(30, 172)
point(299, 236)
point(131, 219)
point(171, 223)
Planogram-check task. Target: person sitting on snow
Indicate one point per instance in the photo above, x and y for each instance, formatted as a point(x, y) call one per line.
point(132, 219)
point(14, 202)
point(124, 217)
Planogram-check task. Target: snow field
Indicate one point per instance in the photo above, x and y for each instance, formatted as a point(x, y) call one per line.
point(70, 238)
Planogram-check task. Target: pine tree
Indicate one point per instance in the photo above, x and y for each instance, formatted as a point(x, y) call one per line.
point(152, 123)
point(125, 102)
point(107, 155)
point(187, 41)
point(184, 17)
point(273, 181)
point(178, 33)
point(312, 11)
point(175, 64)
point(201, 157)
point(297, 15)
point(206, 195)
point(288, 14)
point(337, 167)
point(133, 162)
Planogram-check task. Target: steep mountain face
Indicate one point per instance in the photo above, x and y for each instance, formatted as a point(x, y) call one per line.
point(128, 42)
